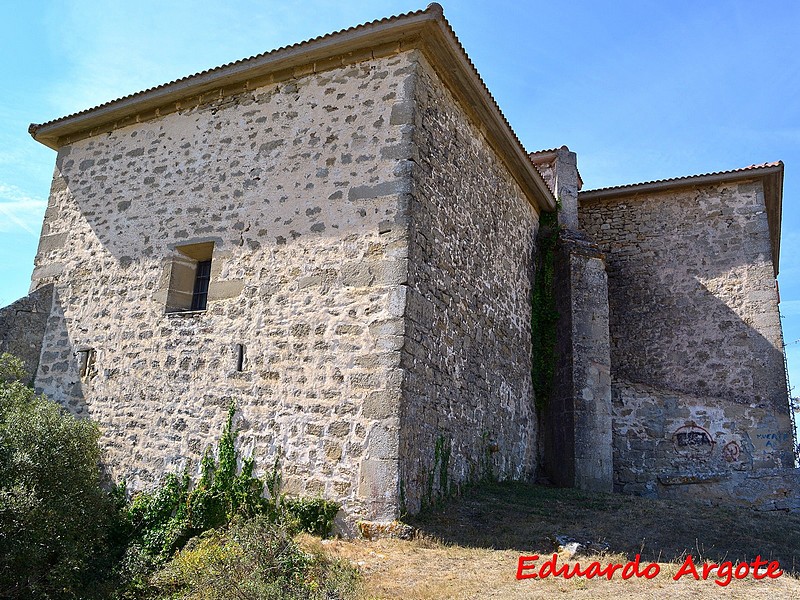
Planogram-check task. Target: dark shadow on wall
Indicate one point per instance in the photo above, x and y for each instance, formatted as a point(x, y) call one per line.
point(677, 264)
point(700, 388)
point(682, 267)
point(64, 367)
point(690, 341)
point(22, 327)
point(693, 343)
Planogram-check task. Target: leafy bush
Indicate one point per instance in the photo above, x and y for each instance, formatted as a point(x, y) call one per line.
point(162, 521)
point(254, 558)
point(158, 520)
point(56, 523)
point(63, 536)
point(221, 493)
point(312, 515)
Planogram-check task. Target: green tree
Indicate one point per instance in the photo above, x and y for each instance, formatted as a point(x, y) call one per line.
point(56, 522)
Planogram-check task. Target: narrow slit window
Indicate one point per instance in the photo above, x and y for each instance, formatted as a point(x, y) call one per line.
point(201, 280)
point(240, 357)
point(87, 359)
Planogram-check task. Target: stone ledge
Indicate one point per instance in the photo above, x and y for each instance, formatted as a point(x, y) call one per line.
point(678, 479)
point(189, 314)
point(375, 530)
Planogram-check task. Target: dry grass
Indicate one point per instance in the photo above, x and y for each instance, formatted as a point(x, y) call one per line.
point(470, 547)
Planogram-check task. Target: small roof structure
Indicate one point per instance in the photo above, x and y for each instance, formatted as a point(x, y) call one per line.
point(770, 175)
point(545, 160)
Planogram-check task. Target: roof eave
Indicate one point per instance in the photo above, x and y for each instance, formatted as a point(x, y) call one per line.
point(427, 30)
point(770, 176)
point(683, 182)
point(279, 61)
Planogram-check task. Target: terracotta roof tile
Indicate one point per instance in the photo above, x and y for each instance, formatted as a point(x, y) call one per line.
point(431, 7)
point(687, 179)
point(536, 153)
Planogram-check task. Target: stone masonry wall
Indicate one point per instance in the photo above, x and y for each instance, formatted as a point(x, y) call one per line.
point(664, 440)
point(298, 187)
point(22, 325)
point(468, 409)
point(575, 417)
point(575, 421)
point(696, 352)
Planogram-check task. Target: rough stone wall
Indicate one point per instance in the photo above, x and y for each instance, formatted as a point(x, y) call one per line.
point(576, 420)
point(671, 444)
point(694, 319)
point(298, 187)
point(22, 325)
point(468, 408)
point(763, 489)
point(566, 184)
point(591, 371)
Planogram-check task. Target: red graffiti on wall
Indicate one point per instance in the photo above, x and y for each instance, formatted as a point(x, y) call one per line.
point(731, 451)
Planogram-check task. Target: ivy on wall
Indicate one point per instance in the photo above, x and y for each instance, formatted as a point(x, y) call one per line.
point(544, 314)
point(162, 521)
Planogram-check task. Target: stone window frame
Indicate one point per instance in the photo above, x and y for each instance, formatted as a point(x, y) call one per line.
point(87, 361)
point(190, 275)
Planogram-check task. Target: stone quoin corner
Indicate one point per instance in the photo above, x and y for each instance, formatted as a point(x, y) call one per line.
point(346, 237)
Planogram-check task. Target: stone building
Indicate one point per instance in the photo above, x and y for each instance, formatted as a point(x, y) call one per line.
point(342, 236)
point(699, 392)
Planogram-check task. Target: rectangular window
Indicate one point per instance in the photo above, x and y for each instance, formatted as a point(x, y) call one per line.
point(201, 279)
point(190, 278)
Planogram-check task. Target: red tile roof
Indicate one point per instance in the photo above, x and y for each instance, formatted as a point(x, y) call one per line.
point(683, 181)
point(283, 49)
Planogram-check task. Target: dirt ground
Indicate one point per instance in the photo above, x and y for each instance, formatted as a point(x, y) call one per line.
point(470, 548)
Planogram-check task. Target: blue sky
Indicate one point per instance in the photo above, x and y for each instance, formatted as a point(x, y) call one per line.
point(640, 90)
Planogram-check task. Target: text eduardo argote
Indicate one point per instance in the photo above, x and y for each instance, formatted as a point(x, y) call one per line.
point(528, 567)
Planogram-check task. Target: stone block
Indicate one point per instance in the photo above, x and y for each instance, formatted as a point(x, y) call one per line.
point(51, 243)
point(381, 404)
point(224, 290)
point(383, 440)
